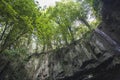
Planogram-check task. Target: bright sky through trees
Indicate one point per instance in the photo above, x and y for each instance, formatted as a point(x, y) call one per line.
point(47, 3)
point(25, 24)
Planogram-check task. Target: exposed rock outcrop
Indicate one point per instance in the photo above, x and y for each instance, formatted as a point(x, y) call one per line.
point(95, 57)
point(81, 60)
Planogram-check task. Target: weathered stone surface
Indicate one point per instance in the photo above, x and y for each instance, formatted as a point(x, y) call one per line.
point(80, 60)
point(12, 69)
point(85, 59)
point(94, 58)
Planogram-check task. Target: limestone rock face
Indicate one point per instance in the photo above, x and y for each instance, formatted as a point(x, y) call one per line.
point(81, 60)
point(96, 57)
point(64, 62)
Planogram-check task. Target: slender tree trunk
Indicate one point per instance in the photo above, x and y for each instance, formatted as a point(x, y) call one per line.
point(6, 25)
point(71, 33)
point(86, 23)
point(6, 44)
point(43, 47)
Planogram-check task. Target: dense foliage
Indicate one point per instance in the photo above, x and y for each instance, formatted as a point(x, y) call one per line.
point(27, 28)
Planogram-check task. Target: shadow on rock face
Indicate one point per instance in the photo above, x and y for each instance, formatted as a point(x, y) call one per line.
point(111, 74)
point(111, 19)
point(111, 11)
point(12, 70)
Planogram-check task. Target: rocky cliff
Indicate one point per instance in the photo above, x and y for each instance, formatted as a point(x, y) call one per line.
point(94, 57)
point(81, 60)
